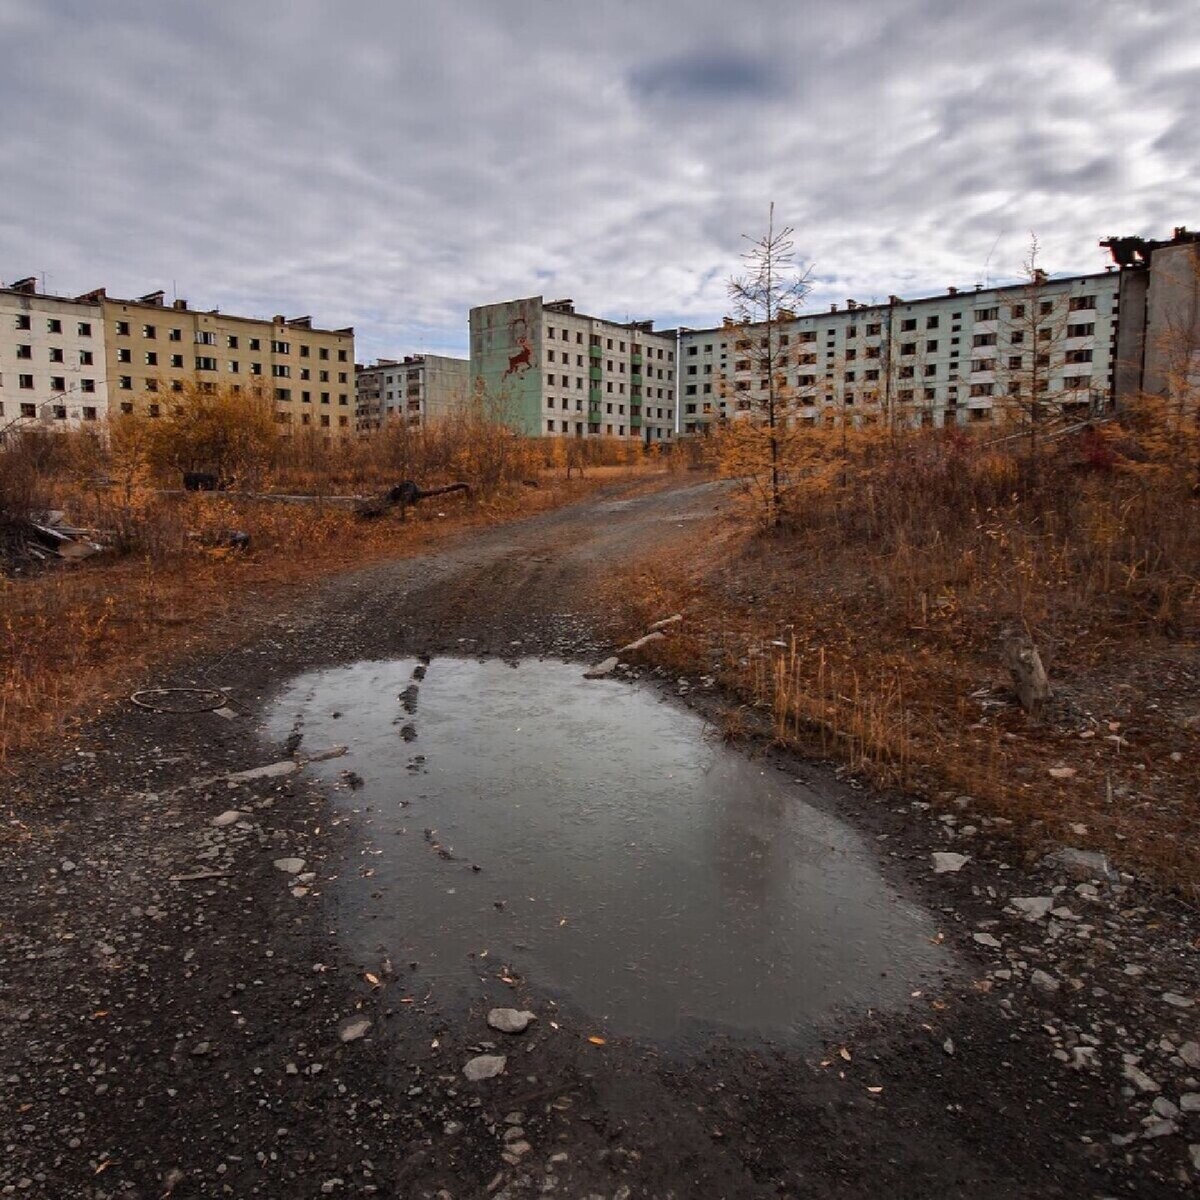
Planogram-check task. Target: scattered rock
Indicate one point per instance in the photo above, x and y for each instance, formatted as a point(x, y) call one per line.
point(353, 1028)
point(1032, 908)
point(510, 1020)
point(1165, 1108)
point(1175, 1000)
point(1140, 1079)
point(1063, 772)
point(947, 862)
point(1160, 1128)
point(291, 866)
point(666, 622)
point(986, 939)
point(1194, 1154)
point(1190, 1053)
point(270, 771)
point(1081, 864)
point(228, 817)
point(603, 670)
point(332, 752)
point(485, 1066)
point(1044, 982)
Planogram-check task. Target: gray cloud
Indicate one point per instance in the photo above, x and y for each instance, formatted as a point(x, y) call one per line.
point(387, 165)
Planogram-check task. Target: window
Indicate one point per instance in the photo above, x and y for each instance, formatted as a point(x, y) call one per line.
point(931, 322)
point(151, 358)
point(149, 331)
point(303, 351)
point(152, 385)
point(125, 383)
point(205, 363)
point(124, 355)
point(281, 370)
point(283, 393)
point(931, 347)
point(26, 382)
point(874, 330)
point(256, 343)
point(176, 335)
point(324, 397)
point(341, 356)
point(1014, 362)
point(84, 329)
point(987, 314)
point(908, 324)
point(1017, 311)
point(53, 325)
point(127, 407)
point(56, 354)
point(322, 352)
point(23, 321)
point(256, 368)
point(85, 358)
point(1047, 307)
point(235, 367)
point(550, 425)
point(1018, 337)
point(983, 364)
point(1080, 303)
point(1079, 356)
point(24, 351)
point(984, 339)
point(87, 385)
point(205, 337)
point(177, 361)
point(281, 347)
point(89, 413)
point(231, 342)
point(1081, 330)
point(122, 329)
point(908, 348)
point(343, 398)
point(982, 389)
point(28, 410)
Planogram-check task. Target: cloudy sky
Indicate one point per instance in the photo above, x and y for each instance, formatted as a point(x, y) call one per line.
point(388, 164)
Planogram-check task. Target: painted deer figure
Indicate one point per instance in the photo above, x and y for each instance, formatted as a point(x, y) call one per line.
point(524, 359)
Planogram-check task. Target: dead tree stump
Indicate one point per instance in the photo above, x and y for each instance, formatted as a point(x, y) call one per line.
point(1025, 665)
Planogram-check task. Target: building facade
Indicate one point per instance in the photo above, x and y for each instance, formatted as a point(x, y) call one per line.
point(416, 389)
point(961, 357)
point(53, 371)
point(550, 371)
point(154, 348)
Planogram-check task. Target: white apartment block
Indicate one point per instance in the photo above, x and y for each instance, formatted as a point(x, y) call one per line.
point(53, 372)
point(417, 388)
point(960, 357)
point(554, 372)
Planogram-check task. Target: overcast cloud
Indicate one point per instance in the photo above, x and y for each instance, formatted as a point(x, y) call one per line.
point(388, 164)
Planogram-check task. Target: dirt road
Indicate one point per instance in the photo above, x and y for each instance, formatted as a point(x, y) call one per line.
point(178, 1011)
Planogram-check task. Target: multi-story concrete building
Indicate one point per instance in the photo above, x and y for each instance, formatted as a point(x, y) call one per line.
point(154, 348)
point(52, 360)
point(552, 371)
point(416, 389)
point(958, 357)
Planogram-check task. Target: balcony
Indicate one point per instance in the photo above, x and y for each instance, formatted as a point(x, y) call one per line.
point(594, 373)
point(636, 358)
point(636, 378)
point(595, 352)
point(595, 396)
point(635, 422)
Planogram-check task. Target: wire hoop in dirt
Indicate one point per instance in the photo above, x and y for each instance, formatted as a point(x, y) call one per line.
point(172, 700)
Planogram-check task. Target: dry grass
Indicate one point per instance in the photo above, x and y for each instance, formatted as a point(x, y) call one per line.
point(868, 630)
point(73, 636)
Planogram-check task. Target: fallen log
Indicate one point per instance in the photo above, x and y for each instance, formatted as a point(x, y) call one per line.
point(404, 495)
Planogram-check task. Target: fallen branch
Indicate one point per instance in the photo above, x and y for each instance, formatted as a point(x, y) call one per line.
point(403, 495)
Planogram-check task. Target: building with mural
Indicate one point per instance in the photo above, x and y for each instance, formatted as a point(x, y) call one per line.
point(550, 371)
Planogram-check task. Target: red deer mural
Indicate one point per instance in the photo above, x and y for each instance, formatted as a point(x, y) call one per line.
point(523, 360)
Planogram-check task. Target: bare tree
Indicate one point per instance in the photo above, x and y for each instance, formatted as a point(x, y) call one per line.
point(763, 298)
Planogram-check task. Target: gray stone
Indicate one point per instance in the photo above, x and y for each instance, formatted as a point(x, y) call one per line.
point(603, 670)
point(1165, 1108)
point(228, 817)
point(1044, 982)
point(1081, 864)
point(1032, 908)
point(946, 862)
point(510, 1020)
point(332, 752)
point(641, 643)
point(1140, 1079)
point(271, 771)
point(353, 1028)
point(485, 1066)
point(66, 866)
point(291, 866)
point(986, 939)
point(1190, 1053)
point(1160, 1128)
point(1176, 1001)
point(1194, 1154)
point(1190, 1101)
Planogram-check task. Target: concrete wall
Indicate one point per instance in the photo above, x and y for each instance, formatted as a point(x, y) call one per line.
point(1172, 348)
point(55, 386)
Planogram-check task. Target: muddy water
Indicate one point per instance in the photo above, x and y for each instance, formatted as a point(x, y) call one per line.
point(630, 866)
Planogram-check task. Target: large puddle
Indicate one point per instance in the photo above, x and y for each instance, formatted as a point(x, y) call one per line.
point(629, 866)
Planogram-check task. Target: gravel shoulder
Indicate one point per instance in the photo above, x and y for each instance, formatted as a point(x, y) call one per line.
point(179, 1018)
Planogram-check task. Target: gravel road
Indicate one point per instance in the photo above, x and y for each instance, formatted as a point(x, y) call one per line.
point(179, 1017)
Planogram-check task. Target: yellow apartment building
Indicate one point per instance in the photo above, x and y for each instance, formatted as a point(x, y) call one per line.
point(152, 348)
